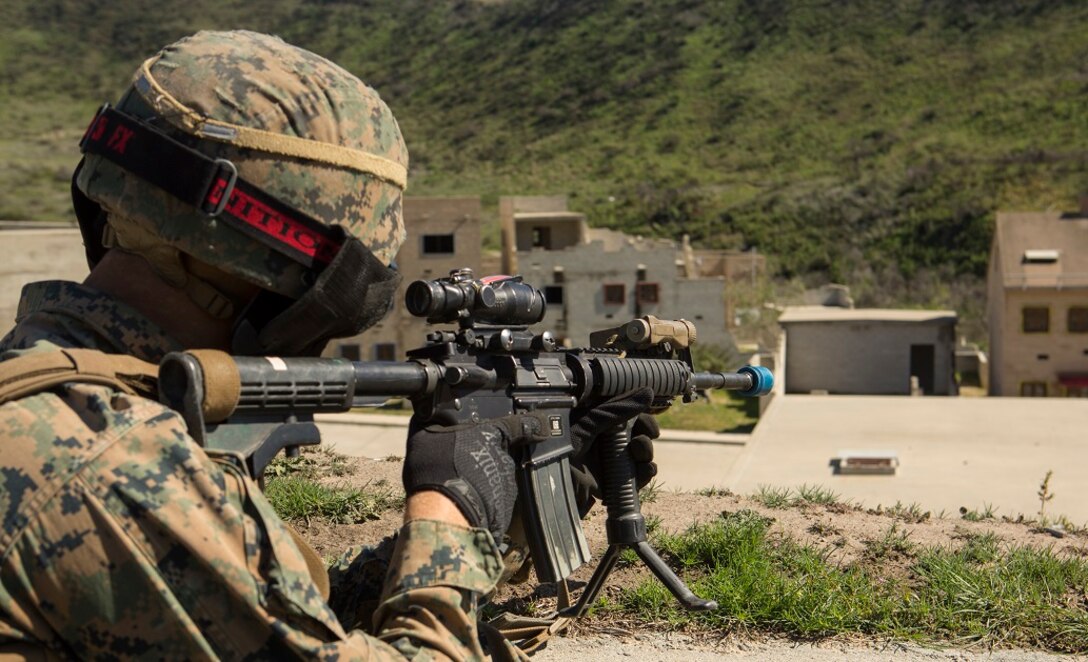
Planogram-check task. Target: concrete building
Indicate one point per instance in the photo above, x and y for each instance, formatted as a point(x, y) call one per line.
point(596, 278)
point(443, 234)
point(1038, 304)
point(865, 351)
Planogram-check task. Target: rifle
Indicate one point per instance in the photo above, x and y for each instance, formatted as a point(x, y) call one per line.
point(491, 365)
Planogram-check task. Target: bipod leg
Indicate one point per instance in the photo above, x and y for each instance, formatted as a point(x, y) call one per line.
point(627, 528)
point(671, 581)
point(596, 583)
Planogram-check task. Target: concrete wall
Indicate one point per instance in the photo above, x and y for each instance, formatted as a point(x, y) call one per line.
point(562, 232)
point(510, 205)
point(864, 358)
point(1020, 357)
point(995, 310)
point(422, 216)
point(28, 255)
point(585, 270)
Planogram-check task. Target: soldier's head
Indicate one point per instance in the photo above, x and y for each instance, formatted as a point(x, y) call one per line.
point(235, 157)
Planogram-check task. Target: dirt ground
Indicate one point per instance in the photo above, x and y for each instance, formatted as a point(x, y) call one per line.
point(843, 528)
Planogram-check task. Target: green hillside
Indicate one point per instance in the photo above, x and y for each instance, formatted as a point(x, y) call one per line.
point(863, 141)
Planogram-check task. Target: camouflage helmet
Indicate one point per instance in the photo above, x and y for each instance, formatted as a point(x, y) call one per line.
point(305, 131)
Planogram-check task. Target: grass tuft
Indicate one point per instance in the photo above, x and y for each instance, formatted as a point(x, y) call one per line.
point(773, 497)
point(979, 593)
point(988, 512)
point(816, 494)
point(911, 513)
point(714, 491)
point(301, 499)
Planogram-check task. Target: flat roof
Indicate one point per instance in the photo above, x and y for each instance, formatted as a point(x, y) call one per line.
point(1042, 249)
point(835, 314)
point(548, 215)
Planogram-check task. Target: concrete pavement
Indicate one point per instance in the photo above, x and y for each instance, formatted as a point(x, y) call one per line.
point(953, 451)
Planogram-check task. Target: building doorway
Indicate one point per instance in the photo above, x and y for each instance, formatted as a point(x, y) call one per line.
point(922, 366)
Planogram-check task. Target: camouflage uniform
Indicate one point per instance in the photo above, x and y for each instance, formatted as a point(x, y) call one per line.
point(122, 538)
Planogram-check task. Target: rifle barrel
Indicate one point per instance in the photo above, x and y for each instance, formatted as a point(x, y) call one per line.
point(730, 381)
point(392, 378)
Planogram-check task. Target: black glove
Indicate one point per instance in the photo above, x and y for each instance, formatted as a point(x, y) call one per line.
point(471, 464)
point(586, 426)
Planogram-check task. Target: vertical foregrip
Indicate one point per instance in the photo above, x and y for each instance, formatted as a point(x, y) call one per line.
point(625, 523)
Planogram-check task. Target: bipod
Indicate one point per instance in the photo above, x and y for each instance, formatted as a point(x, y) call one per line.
point(626, 528)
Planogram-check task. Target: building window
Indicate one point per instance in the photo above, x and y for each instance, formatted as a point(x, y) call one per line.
point(1036, 319)
point(615, 294)
point(1077, 321)
point(349, 352)
point(559, 276)
point(542, 237)
point(1033, 389)
point(553, 294)
point(385, 351)
point(647, 293)
point(438, 244)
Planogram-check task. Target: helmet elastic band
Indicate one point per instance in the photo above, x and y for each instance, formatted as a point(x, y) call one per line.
point(192, 122)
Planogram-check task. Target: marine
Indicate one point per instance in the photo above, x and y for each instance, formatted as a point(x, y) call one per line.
point(243, 195)
point(122, 538)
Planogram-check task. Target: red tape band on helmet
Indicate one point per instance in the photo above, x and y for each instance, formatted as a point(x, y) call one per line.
point(202, 182)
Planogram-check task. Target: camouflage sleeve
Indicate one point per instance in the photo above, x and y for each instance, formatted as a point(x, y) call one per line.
point(122, 538)
point(438, 573)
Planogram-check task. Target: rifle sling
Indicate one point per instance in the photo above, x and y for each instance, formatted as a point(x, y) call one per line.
point(40, 371)
point(34, 373)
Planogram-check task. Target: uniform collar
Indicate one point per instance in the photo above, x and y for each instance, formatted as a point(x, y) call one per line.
point(73, 315)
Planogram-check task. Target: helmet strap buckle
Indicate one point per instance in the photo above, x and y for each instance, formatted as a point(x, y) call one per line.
point(222, 188)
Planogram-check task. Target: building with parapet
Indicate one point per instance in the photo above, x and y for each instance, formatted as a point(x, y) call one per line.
point(868, 351)
point(1038, 304)
point(443, 235)
point(596, 278)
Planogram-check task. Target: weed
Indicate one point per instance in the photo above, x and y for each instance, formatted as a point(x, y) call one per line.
point(895, 543)
point(297, 498)
point(313, 462)
point(824, 529)
point(714, 492)
point(987, 512)
point(773, 497)
point(980, 547)
point(816, 494)
point(980, 593)
point(653, 524)
point(1044, 494)
point(911, 513)
point(649, 493)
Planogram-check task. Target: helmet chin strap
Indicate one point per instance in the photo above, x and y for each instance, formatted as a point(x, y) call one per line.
point(169, 263)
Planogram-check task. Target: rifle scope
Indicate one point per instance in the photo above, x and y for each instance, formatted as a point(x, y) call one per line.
point(496, 299)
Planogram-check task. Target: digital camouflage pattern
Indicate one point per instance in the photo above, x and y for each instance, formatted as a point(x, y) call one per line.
point(257, 81)
point(122, 538)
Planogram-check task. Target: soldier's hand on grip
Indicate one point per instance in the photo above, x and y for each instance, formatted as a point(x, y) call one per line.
point(471, 465)
point(587, 426)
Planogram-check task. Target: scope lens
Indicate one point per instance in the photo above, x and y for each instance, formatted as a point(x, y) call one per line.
point(420, 298)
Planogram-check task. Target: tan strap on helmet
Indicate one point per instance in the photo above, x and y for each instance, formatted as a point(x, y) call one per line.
point(33, 373)
point(192, 122)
